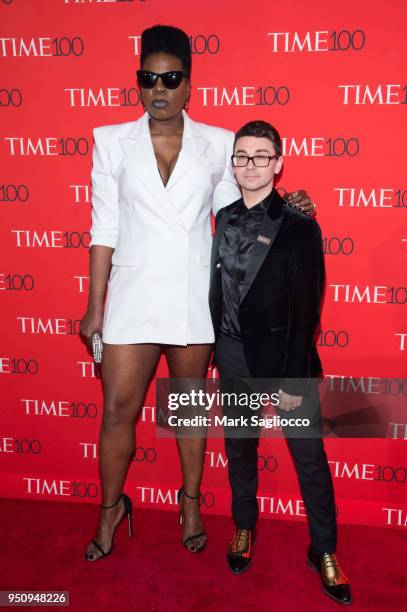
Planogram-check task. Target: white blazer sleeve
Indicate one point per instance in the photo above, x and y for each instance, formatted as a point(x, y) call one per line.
point(105, 198)
point(227, 190)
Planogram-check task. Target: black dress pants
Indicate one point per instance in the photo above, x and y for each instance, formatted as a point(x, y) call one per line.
point(308, 454)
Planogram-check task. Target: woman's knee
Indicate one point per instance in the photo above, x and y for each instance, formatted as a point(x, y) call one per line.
point(119, 411)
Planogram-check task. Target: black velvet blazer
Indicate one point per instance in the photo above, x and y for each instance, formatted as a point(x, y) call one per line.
point(279, 311)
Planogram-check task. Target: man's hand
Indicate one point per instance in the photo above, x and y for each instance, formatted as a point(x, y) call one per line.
point(288, 402)
point(302, 200)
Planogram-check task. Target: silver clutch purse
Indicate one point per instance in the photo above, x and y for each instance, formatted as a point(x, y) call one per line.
point(97, 347)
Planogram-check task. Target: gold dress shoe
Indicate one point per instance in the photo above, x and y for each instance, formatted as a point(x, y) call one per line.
point(239, 555)
point(334, 581)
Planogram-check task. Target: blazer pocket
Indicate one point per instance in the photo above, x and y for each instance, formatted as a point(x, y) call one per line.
point(278, 328)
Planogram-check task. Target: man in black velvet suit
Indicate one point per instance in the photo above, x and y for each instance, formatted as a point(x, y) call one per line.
point(267, 277)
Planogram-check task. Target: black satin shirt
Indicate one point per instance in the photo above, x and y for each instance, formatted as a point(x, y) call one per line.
point(237, 242)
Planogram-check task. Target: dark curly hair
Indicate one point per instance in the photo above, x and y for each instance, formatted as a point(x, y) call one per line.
point(261, 129)
point(167, 39)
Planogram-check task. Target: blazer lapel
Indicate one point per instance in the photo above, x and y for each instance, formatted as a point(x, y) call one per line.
point(193, 147)
point(267, 234)
point(140, 152)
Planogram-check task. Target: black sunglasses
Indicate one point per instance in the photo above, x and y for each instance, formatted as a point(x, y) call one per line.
point(170, 80)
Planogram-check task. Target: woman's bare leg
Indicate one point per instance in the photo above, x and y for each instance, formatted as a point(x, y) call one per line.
point(190, 362)
point(126, 372)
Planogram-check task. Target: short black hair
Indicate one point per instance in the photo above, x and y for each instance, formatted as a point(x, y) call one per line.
point(260, 129)
point(167, 39)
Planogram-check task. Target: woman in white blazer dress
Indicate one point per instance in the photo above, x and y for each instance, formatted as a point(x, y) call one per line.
point(155, 182)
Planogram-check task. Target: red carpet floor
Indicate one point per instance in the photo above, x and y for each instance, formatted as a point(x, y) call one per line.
point(43, 543)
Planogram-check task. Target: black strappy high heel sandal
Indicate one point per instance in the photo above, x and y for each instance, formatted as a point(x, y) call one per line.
point(128, 511)
point(193, 549)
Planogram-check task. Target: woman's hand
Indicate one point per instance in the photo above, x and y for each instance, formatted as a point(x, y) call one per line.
point(91, 323)
point(302, 200)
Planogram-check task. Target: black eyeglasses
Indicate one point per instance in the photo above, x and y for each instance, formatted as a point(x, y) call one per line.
point(170, 80)
point(260, 161)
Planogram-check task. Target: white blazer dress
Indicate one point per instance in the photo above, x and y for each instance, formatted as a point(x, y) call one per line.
point(161, 235)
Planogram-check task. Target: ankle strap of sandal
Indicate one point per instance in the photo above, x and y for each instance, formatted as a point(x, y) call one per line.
point(190, 496)
point(113, 505)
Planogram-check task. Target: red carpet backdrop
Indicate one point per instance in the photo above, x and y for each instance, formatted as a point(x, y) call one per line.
point(329, 76)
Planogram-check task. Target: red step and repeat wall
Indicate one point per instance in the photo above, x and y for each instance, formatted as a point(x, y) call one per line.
point(329, 76)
